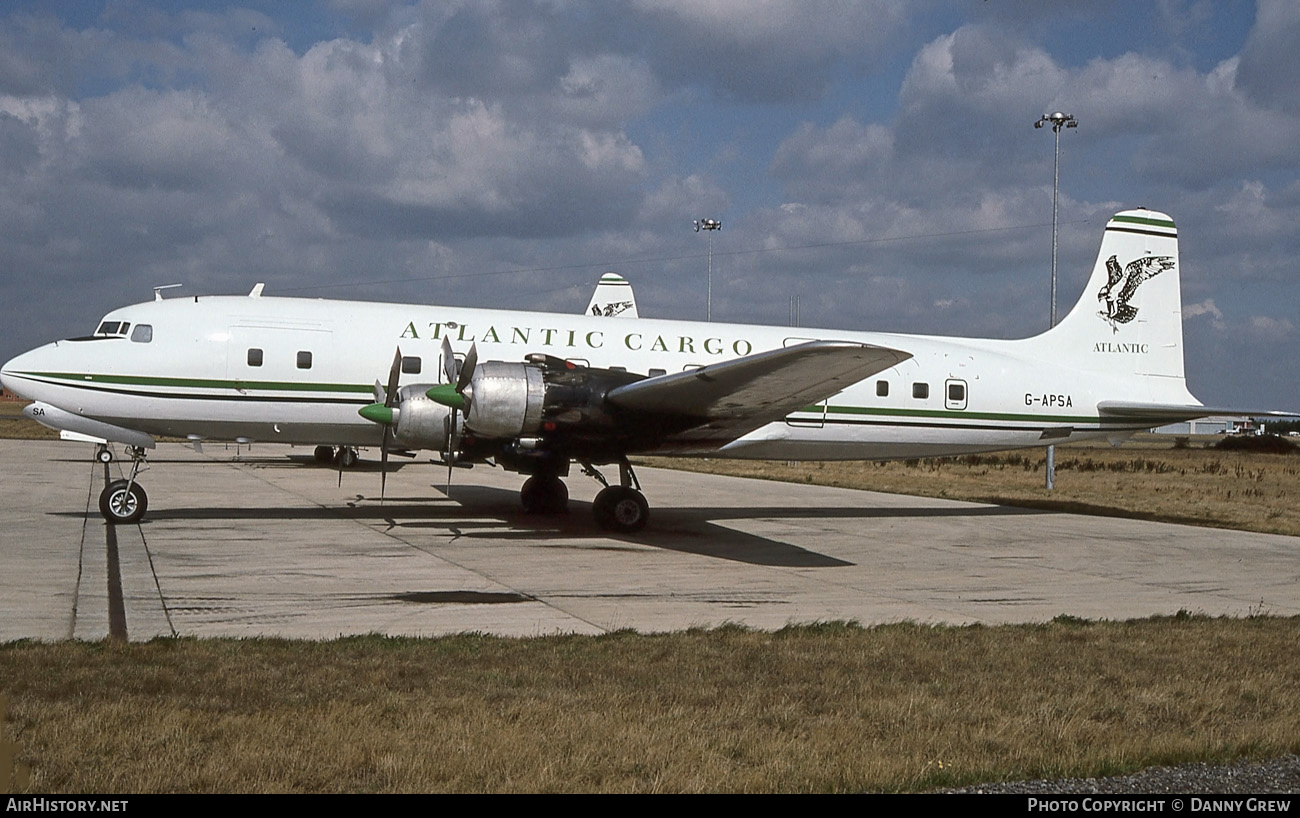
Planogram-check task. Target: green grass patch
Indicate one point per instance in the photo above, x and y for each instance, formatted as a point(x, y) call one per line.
point(829, 707)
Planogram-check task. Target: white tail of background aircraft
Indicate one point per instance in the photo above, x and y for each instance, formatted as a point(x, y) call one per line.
point(613, 296)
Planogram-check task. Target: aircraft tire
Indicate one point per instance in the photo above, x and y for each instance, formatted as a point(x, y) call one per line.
point(118, 506)
point(323, 454)
point(622, 509)
point(346, 457)
point(104, 455)
point(544, 495)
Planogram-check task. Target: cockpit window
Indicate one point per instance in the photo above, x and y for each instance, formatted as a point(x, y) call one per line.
point(113, 328)
point(142, 334)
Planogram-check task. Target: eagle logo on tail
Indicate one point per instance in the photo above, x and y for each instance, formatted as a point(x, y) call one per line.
point(1127, 279)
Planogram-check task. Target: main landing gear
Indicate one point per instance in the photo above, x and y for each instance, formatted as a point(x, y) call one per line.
point(345, 457)
point(622, 508)
point(124, 501)
point(544, 493)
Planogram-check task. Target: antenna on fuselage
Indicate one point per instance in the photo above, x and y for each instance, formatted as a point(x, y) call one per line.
point(157, 291)
point(257, 290)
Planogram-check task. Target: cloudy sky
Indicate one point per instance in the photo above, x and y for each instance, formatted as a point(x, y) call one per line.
point(876, 159)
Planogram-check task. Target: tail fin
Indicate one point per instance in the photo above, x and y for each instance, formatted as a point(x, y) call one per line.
point(1129, 319)
point(613, 296)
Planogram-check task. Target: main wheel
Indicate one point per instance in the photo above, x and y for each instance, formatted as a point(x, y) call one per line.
point(346, 457)
point(120, 505)
point(544, 494)
point(621, 508)
point(324, 454)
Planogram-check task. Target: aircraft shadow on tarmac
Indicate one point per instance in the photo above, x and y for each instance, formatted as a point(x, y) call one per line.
point(480, 512)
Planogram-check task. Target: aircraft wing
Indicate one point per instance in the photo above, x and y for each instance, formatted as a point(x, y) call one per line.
point(716, 404)
point(1173, 412)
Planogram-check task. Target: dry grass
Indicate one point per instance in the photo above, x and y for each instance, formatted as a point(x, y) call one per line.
point(1147, 478)
point(821, 708)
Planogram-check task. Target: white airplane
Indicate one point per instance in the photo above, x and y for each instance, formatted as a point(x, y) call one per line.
point(613, 296)
point(554, 389)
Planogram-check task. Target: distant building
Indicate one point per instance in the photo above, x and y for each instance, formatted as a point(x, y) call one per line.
point(5, 394)
point(1209, 426)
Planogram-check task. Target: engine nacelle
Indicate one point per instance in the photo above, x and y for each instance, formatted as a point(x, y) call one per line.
point(421, 422)
point(505, 399)
point(545, 395)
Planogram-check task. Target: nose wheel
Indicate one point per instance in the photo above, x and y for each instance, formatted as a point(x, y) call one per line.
point(123, 502)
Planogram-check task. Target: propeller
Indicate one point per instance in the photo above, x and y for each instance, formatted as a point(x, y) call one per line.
point(452, 395)
point(384, 411)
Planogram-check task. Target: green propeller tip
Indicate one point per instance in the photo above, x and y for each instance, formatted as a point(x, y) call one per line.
point(377, 412)
point(446, 395)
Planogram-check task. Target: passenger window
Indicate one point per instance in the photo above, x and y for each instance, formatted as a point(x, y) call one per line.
point(254, 357)
point(956, 392)
point(142, 334)
point(304, 360)
point(882, 389)
point(411, 364)
point(920, 391)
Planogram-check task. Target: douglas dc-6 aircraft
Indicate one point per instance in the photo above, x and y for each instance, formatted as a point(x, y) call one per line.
point(553, 389)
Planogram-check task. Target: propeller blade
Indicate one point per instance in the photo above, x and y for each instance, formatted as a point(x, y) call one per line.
point(467, 368)
point(450, 366)
point(380, 395)
point(394, 374)
point(383, 462)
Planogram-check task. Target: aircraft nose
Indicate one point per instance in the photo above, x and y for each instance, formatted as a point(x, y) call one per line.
point(9, 373)
point(4, 373)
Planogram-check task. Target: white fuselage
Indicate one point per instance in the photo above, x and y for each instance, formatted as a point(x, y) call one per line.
point(297, 370)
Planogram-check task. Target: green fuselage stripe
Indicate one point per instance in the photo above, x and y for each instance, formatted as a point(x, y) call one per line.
point(202, 383)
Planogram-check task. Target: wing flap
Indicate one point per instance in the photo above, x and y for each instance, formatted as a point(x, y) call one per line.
point(732, 398)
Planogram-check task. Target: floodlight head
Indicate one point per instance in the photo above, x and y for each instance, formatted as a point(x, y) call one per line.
point(1057, 120)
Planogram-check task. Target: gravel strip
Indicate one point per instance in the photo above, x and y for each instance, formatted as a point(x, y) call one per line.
point(1278, 775)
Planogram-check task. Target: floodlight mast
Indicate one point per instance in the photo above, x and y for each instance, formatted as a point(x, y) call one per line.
point(1058, 121)
point(710, 225)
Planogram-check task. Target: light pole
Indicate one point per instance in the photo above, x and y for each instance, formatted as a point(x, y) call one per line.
point(710, 225)
point(1058, 121)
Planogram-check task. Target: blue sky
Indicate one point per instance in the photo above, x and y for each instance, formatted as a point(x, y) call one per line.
point(877, 159)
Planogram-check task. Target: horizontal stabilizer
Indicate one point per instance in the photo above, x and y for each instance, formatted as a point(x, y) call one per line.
point(1168, 412)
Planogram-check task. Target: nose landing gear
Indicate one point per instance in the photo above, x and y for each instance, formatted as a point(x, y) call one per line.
point(124, 501)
